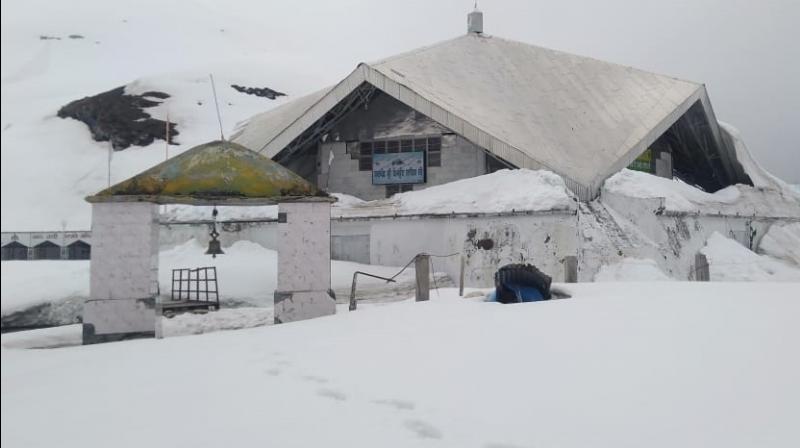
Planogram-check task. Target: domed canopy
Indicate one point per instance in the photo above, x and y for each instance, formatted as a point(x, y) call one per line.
point(219, 172)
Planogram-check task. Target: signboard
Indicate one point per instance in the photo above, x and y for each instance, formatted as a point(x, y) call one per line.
point(398, 168)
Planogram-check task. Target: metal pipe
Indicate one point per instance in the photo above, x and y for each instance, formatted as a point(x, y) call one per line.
point(353, 303)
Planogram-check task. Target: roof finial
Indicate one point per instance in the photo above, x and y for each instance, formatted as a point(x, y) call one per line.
point(475, 21)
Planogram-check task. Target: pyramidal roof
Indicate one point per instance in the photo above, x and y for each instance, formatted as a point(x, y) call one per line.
point(218, 172)
point(582, 118)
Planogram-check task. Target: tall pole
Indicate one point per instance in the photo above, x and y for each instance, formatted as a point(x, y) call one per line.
point(216, 103)
point(110, 151)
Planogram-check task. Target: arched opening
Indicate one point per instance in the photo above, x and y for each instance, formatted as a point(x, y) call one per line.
point(79, 250)
point(47, 251)
point(15, 251)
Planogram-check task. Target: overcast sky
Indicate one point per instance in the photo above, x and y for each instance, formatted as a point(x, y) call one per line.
point(747, 52)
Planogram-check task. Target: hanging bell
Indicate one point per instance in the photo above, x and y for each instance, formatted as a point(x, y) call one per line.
point(214, 246)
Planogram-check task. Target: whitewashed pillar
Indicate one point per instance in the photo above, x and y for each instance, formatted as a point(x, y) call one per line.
point(304, 261)
point(124, 272)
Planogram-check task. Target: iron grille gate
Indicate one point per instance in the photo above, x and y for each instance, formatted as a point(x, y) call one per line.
point(195, 285)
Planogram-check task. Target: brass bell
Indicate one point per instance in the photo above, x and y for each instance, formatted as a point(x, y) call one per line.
point(214, 246)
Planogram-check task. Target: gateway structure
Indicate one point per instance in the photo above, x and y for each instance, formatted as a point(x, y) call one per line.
point(477, 103)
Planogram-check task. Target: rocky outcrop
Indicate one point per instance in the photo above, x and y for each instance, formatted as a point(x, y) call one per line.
point(265, 92)
point(120, 118)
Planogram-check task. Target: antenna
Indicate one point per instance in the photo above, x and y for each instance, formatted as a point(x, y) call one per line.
point(216, 103)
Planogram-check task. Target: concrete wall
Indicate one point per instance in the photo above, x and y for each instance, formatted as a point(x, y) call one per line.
point(304, 264)
point(123, 272)
point(385, 118)
point(460, 159)
point(175, 234)
point(486, 242)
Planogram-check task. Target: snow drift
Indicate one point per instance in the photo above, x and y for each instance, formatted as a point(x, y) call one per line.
point(730, 261)
point(618, 365)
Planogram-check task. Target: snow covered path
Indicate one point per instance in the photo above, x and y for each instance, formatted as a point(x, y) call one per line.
point(619, 365)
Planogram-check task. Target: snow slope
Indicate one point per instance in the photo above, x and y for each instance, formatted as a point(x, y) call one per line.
point(50, 164)
point(681, 197)
point(782, 241)
point(730, 261)
point(619, 365)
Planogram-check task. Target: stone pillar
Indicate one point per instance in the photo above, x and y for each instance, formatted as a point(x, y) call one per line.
point(422, 265)
point(124, 272)
point(701, 268)
point(304, 262)
point(664, 165)
point(570, 269)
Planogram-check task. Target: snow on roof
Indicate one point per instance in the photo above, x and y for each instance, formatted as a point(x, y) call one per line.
point(682, 197)
point(503, 191)
point(537, 108)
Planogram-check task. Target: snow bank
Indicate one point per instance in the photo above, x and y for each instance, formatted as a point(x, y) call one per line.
point(730, 261)
point(678, 195)
point(761, 178)
point(29, 283)
point(618, 365)
point(631, 270)
point(782, 241)
point(501, 191)
point(681, 197)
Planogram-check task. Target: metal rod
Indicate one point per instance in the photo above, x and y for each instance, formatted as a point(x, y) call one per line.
point(353, 304)
point(216, 103)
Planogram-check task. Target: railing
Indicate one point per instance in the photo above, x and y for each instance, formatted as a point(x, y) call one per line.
point(195, 285)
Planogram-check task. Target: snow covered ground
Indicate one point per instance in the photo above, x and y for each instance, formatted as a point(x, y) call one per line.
point(632, 269)
point(247, 275)
point(683, 364)
point(730, 261)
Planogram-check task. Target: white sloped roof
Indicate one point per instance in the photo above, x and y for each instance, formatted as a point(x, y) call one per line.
point(537, 108)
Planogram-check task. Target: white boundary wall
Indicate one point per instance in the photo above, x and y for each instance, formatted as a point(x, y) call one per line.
point(123, 272)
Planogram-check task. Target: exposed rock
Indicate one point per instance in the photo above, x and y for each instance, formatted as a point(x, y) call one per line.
point(117, 117)
point(258, 91)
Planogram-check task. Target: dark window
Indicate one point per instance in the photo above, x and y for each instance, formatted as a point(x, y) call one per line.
point(380, 147)
point(352, 149)
point(47, 251)
point(392, 146)
point(15, 251)
point(435, 151)
point(420, 144)
point(406, 145)
point(365, 157)
point(393, 189)
point(79, 250)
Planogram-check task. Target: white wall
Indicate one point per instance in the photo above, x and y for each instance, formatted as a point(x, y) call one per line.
point(304, 263)
point(460, 159)
point(123, 269)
